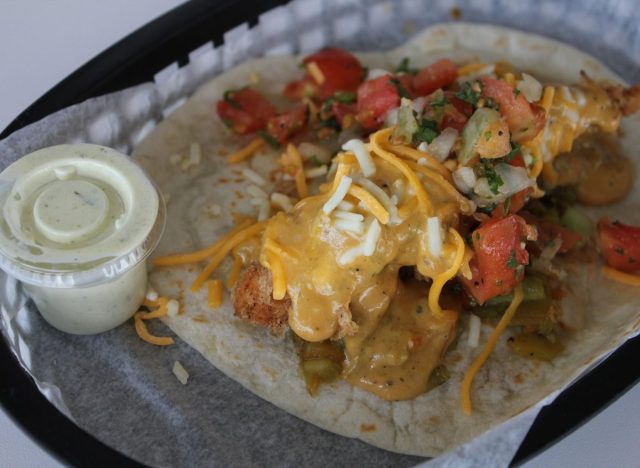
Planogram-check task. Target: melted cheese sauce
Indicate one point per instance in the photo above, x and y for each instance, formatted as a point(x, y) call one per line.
point(394, 353)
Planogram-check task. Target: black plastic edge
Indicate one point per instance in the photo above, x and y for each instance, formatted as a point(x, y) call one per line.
point(135, 59)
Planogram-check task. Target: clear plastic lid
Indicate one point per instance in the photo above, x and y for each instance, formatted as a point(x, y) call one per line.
point(76, 215)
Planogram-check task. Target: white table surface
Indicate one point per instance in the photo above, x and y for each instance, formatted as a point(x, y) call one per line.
point(42, 41)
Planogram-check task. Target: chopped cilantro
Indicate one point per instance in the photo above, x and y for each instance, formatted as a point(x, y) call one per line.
point(487, 135)
point(345, 97)
point(315, 161)
point(491, 103)
point(403, 67)
point(512, 263)
point(401, 89)
point(467, 94)
point(478, 236)
point(269, 139)
point(228, 98)
point(493, 178)
point(228, 122)
point(331, 122)
point(516, 92)
point(515, 149)
point(520, 272)
point(507, 205)
point(326, 107)
point(439, 101)
point(427, 131)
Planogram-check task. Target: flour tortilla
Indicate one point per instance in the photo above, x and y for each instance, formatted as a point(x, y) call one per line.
point(268, 365)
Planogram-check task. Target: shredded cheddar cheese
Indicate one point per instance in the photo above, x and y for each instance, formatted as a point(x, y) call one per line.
point(235, 271)
point(214, 293)
point(301, 181)
point(199, 255)
point(316, 73)
point(440, 280)
point(246, 152)
point(620, 276)
point(224, 250)
point(370, 202)
point(465, 390)
point(279, 278)
point(377, 140)
point(143, 332)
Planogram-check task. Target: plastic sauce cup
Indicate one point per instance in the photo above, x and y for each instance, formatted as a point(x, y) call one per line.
point(78, 222)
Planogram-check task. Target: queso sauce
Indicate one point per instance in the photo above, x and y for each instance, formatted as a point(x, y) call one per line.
point(392, 340)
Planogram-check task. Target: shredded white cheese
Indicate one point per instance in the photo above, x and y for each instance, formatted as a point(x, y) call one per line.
point(257, 192)
point(348, 215)
point(315, 172)
point(434, 236)
point(350, 225)
point(253, 176)
point(264, 210)
point(346, 206)
point(173, 307)
point(338, 195)
point(474, 331)
point(371, 239)
point(151, 294)
point(281, 200)
point(362, 155)
point(180, 372)
point(383, 198)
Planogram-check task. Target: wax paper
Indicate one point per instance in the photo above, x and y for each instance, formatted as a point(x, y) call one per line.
point(121, 389)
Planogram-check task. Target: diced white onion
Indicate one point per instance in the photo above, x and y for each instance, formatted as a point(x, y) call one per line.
point(442, 145)
point(362, 155)
point(256, 192)
point(374, 73)
point(281, 200)
point(350, 225)
point(434, 236)
point(257, 201)
point(371, 239)
point(338, 195)
point(530, 88)
point(424, 147)
point(473, 340)
point(315, 172)
point(309, 150)
point(418, 104)
point(180, 372)
point(464, 178)
point(348, 215)
point(194, 158)
point(515, 179)
point(253, 176)
point(391, 117)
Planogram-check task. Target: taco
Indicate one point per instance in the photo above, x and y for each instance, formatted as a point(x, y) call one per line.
point(401, 246)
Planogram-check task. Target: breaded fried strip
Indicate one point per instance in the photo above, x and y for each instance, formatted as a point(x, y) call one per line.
point(253, 300)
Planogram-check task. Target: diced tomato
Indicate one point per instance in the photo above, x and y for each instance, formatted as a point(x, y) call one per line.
point(548, 231)
point(435, 76)
point(500, 257)
point(340, 110)
point(452, 118)
point(286, 124)
point(620, 244)
point(341, 71)
point(525, 120)
point(515, 204)
point(375, 98)
point(463, 107)
point(245, 110)
point(299, 89)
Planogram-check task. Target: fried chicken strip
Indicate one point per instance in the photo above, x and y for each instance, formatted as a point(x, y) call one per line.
point(253, 300)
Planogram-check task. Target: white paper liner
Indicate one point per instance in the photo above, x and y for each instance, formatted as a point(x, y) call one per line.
point(96, 395)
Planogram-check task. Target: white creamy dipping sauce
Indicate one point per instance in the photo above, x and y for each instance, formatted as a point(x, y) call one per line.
point(78, 222)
